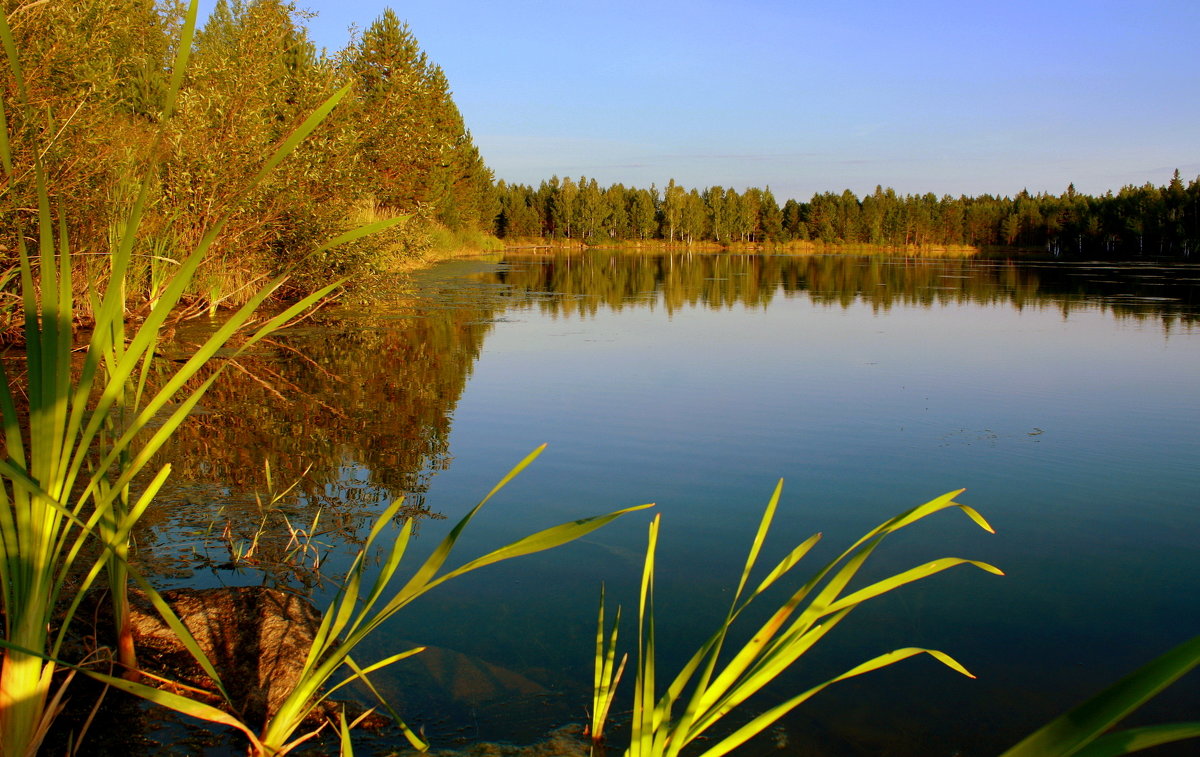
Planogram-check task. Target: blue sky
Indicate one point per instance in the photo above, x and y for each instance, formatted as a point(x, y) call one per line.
point(959, 97)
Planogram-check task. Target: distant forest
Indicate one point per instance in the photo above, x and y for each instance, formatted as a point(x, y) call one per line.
point(1141, 220)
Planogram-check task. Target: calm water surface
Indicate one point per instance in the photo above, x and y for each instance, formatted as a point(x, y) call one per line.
point(1062, 396)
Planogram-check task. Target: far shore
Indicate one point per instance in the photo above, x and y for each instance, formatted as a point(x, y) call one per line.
point(795, 247)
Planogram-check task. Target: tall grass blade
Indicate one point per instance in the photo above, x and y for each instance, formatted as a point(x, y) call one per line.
point(645, 702)
point(1072, 732)
point(1136, 739)
point(185, 705)
point(880, 588)
point(605, 680)
point(181, 633)
point(541, 541)
point(346, 744)
point(301, 133)
point(415, 741)
point(14, 61)
point(6, 163)
point(186, 36)
point(766, 719)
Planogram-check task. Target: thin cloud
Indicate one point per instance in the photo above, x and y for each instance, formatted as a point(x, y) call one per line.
point(743, 156)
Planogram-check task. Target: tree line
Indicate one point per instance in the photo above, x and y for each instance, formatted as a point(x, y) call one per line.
point(91, 99)
point(90, 106)
point(1142, 220)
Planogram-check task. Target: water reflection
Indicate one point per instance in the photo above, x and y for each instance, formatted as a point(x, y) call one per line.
point(585, 283)
point(353, 407)
point(626, 363)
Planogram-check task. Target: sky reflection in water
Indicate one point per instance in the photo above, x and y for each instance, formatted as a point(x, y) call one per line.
point(1068, 410)
point(1075, 434)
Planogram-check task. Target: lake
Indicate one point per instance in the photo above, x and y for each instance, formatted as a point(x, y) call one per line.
point(1061, 394)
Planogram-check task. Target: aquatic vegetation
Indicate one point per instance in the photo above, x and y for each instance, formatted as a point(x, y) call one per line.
point(265, 539)
point(358, 609)
point(710, 687)
point(1084, 730)
point(606, 678)
point(87, 429)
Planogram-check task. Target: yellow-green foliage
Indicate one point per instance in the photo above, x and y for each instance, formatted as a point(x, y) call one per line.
point(396, 142)
point(84, 431)
point(445, 241)
point(720, 678)
point(364, 602)
point(404, 242)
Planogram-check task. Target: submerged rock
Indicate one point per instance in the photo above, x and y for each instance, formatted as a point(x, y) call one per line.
point(256, 637)
point(463, 678)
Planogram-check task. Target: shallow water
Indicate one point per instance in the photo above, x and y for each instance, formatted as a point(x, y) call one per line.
point(1061, 395)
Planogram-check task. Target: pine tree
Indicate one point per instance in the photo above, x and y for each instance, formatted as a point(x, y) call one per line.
point(771, 219)
point(793, 221)
point(407, 121)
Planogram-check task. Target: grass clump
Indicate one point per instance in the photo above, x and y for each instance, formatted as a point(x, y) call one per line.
point(715, 681)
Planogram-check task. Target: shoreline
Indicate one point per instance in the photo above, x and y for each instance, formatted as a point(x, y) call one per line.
point(805, 247)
